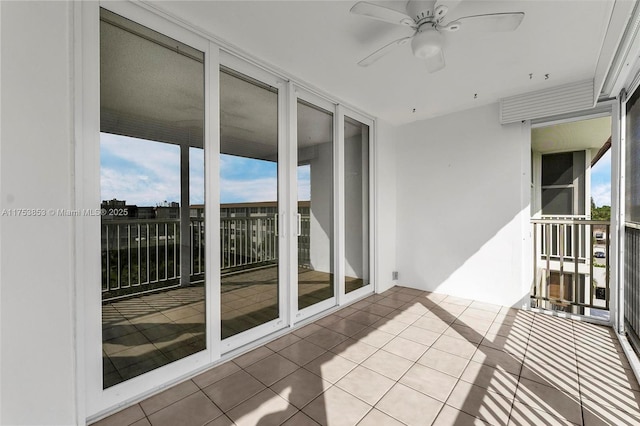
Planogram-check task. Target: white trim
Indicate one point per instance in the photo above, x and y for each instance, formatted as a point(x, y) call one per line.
point(339, 202)
point(618, 155)
point(631, 355)
point(616, 237)
point(212, 200)
point(292, 197)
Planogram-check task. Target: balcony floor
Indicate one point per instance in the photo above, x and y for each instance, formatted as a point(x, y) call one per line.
point(415, 358)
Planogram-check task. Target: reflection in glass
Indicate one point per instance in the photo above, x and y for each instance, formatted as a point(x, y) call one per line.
point(356, 197)
point(152, 187)
point(248, 202)
point(315, 205)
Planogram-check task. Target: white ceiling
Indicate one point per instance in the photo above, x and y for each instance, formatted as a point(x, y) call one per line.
point(320, 43)
point(572, 136)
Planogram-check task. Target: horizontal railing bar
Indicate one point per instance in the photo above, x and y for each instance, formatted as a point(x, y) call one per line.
point(570, 222)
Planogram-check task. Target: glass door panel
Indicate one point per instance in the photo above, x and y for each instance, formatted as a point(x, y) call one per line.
point(152, 187)
point(356, 200)
point(249, 245)
point(315, 205)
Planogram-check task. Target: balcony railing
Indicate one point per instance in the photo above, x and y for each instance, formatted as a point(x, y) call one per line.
point(571, 265)
point(144, 255)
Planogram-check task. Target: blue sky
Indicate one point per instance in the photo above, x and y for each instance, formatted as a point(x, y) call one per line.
point(601, 181)
point(146, 173)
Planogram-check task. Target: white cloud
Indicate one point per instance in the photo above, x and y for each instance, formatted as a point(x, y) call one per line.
point(601, 194)
point(247, 191)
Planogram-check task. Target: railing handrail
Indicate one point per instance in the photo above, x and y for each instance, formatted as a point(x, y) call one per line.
point(576, 221)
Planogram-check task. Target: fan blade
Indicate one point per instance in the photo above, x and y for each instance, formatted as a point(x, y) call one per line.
point(382, 13)
point(435, 62)
point(491, 22)
point(383, 51)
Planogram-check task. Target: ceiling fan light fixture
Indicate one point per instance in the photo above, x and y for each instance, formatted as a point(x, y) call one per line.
point(427, 43)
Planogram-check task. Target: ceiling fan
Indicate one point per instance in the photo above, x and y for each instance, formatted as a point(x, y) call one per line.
point(427, 18)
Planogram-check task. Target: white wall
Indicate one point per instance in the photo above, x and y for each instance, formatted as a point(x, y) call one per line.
point(463, 206)
point(386, 150)
point(36, 310)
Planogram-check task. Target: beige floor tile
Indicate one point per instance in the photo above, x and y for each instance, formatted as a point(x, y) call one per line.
point(551, 400)
point(390, 326)
point(124, 417)
point(555, 377)
point(265, 408)
point(302, 352)
point(336, 407)
point(405, 348)
point(492, 379)
point(462, 348)
point(271, 369)
point(621, 377)
point(420, 335)
point(595, 414)
point(283, 342)
point(142, 422)
point(300, 419)
point(431, 382)
point(233, 389)
point(195, 409)
point(365, 384)
point(404, 316)
point(328, 321)
point(373, 337)
point(409, 406)
point(347, 327)
point(221, 421)
point(450, 364)
point(307, 330)
point(524, 415)
point(326, 338)
point(331, 367)
point(463, 332)
point(450, 416)
point(498, 359)
point(300, 387)
point(215, 374)
point(365, 318)
point(378, 418)
point(433, 324)
point(477, 402)
point(392, 303)
point(169, 396)
point(388, 364)
point(253, 356)
point(619, 397)
point(377, 309)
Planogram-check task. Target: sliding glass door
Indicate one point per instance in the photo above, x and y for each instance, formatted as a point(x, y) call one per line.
point(152, 190)
point(315, 207)
point(250, 175)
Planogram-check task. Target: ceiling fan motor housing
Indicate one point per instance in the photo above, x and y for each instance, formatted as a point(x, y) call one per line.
point(421, 10)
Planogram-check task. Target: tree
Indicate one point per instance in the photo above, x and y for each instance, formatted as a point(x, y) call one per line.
point(600, 213)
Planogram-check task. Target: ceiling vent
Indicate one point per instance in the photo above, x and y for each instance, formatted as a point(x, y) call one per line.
point(548, 102)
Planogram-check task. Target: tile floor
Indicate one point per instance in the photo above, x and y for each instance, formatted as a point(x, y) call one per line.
point(413, 358)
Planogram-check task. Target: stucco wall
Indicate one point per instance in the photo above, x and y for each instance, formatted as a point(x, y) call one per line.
point(463, 206)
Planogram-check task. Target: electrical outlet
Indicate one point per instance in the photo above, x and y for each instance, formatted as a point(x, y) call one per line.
point(394, 275)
